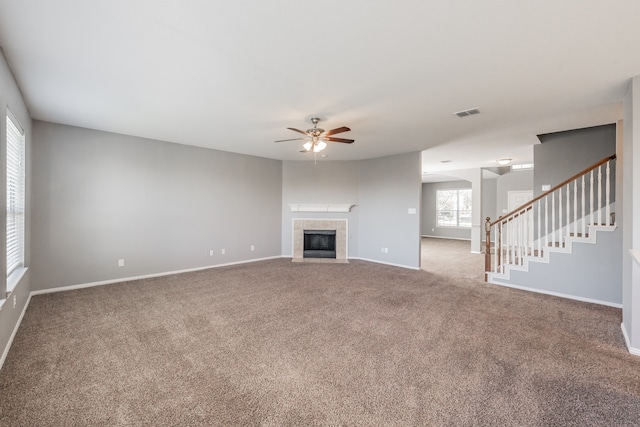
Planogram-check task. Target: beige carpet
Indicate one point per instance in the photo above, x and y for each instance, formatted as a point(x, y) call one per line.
point(277, 343)
point(453, 258)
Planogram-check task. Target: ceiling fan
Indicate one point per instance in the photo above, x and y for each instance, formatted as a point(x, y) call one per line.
point(317, 138)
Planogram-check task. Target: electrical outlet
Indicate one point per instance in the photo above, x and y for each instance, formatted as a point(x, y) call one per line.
point(15, 301)
point(224, 251)
point(121, 262)
point(386, 250)
point(382, 249)
point(211, 252)
point(253, 248)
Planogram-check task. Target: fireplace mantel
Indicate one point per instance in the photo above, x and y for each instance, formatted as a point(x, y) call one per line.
point(320, 207)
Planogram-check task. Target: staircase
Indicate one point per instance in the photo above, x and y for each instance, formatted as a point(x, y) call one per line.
point(570, 213)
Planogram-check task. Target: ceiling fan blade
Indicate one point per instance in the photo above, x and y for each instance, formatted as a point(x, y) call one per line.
point(337, 130)
point(294, 139)
point(298, 130)
point(346, 141)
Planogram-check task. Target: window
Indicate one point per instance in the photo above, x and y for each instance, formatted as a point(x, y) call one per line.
point(453, 208)
point(15, 196)
point(522, 166)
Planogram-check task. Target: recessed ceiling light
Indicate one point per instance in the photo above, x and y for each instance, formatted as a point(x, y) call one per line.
point(504, 162)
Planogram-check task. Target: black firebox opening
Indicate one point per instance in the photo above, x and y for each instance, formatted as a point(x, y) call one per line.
point(319, 244)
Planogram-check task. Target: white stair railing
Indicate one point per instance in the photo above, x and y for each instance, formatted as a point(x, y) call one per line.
point(530, 229)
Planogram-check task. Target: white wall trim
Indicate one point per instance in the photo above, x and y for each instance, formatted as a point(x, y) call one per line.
point(385, 263)
point(318, 207)
point(558, 294)
point(632, 350)
point(14, 332)
point(145, 276)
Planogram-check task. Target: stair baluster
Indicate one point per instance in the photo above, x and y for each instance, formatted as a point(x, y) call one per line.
point(592, 217)
point(608, 190)
point(584, 226)
point(539, 231)
point(599, 195)
point(553, 219)
point(575, 207)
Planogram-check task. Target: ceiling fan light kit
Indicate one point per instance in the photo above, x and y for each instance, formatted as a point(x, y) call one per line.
point(318, 137)
point(315, 146)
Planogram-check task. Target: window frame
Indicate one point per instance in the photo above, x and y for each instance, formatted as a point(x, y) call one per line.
point(457, 210)
point(15, 187)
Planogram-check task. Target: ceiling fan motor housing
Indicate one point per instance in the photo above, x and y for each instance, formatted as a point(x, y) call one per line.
point(315, 131)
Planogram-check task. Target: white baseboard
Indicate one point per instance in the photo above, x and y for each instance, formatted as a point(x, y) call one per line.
point(558, 294)
point(386, 263)
point(632, 350)
point(13, 333)
point(444, 237)
point(145, 276)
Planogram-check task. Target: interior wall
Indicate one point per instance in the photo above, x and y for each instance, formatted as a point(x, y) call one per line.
point(511, 181)
point(324, 182)
point(100, 197)
point(11, 98)
point(564, 154)
point(591, 272)
point(629, 217)
point(391, 187)
point(429, 219)
point(489, 200)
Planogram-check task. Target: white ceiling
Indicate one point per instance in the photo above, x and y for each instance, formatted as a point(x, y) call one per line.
point(233, 74)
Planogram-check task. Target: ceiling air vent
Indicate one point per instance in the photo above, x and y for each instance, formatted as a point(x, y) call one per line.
point(469, 112)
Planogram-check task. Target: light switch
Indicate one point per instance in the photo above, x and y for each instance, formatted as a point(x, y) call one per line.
point(412, 211)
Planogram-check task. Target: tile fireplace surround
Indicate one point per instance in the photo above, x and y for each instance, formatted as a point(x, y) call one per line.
point(339, 225)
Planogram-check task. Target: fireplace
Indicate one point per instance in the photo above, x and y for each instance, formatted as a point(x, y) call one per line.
point(320, 240)
point(319, 244)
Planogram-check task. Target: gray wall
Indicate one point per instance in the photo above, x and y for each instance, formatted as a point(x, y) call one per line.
point(321, 182)
point(630, 215)
point(429, 227)
point(99, 197)
point(489, 198)
point(11, 98)
point(591, 271)
point(564, 154)
point(511, 181)
point(389, 186)
point(382, 189)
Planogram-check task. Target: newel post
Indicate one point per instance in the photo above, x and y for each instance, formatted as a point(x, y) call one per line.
point(487, 251)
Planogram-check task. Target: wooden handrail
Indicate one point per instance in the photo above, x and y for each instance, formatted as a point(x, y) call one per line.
point(562, 184)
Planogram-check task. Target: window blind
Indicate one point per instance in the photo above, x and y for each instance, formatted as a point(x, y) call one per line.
point(15, 196)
